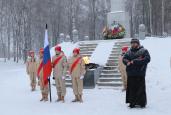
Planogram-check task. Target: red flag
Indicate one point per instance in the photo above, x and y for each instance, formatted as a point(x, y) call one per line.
point(47, 68)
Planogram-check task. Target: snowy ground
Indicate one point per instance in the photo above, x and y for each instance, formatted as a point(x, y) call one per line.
point(17, 99)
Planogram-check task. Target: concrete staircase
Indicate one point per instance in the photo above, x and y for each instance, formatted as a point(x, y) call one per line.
point(110, 76)
point(86, 49)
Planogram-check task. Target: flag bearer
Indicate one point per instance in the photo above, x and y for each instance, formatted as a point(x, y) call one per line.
point(44, 88)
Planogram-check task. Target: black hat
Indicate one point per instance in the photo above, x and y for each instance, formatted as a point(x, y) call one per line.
point(134, 40)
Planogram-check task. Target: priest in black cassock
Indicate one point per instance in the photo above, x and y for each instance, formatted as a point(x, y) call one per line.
point(136, 60)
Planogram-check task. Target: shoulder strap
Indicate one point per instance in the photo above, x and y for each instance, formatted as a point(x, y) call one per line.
point(74, 64)
point(57, 60)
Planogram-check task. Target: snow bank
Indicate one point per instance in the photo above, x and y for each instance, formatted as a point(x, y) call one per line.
point(159, 71)
point(158, 77)
point(102, 52)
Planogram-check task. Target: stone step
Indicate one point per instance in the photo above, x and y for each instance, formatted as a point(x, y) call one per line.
point(113, 60)
point(115, 74)
point(87, 44)
point(87, 47)
point(68, 84)
point(86, 52)
point(115, 53)
point(110, 75)
point(113, 84)
point(67, 80)
point(110, 71)
point(112, 64)
point(116, 48)
point(90, 43)
point(82, 50)
point(110, 67)
point(109, 79)
point(84, 55)
point(113, 57)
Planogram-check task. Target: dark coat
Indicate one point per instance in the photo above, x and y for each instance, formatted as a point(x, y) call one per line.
point(140, 58)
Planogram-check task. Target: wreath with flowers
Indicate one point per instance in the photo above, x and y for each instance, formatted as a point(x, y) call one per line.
point(115, 31)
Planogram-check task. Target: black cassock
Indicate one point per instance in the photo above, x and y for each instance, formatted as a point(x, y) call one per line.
point(136, 72)
point(136, 90)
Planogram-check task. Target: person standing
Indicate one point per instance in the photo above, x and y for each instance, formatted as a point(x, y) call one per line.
point(136, 61)
point(31, 68)
point(122, 67)
point(77, 72)
point(44, 88)
point(59, 64)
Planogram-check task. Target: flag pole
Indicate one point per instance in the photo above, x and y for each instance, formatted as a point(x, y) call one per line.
point(46, 26)
point(50, 94)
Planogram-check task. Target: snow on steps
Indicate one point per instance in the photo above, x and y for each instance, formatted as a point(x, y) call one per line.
point(86, 49)
point(110, 77)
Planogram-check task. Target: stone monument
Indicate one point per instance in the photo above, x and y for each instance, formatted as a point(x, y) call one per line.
point(119, 14)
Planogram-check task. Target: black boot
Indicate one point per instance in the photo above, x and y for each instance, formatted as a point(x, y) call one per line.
point(131, 106)
point(142, 106)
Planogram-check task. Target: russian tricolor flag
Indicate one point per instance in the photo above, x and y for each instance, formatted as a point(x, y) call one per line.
point(47, 68)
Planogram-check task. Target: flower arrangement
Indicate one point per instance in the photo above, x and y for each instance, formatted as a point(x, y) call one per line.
point(116, 31)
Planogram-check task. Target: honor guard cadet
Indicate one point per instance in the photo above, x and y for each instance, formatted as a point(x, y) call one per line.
point(77, 72)
point(59, 64)
point(31, 68)
point(44, 88)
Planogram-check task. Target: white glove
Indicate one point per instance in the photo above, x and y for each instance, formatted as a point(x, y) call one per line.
point(82, 77)
point(63, 77)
